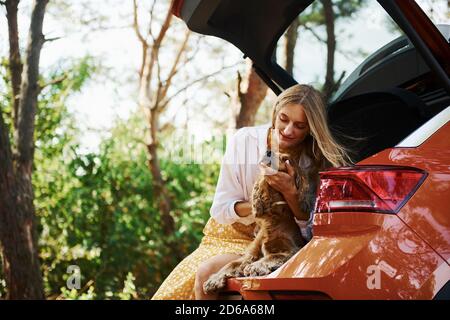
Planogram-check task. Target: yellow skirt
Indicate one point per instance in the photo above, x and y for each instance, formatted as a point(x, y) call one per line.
point(218, 239)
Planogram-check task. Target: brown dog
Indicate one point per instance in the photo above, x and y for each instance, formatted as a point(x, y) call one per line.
point(278, 236)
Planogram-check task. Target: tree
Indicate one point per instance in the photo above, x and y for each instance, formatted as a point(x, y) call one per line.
point(291, 40)
point(324, 13)
point(248, 101)
point(152, 96)
point(333, 11)
point(17, 213)
point(330, 84)
point(156, 80)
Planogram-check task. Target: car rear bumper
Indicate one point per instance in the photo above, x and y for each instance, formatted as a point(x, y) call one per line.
point(354, 256)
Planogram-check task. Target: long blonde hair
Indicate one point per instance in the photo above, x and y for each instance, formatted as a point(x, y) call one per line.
point(320, 144)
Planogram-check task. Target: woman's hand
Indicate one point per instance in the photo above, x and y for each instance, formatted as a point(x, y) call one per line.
point(281, 181)
point(243, 208)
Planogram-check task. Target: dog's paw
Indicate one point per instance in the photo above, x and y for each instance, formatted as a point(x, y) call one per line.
point(256, 269)
point(214, 284)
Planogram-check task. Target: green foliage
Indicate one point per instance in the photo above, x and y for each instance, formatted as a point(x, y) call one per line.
point(110, 217)
point(342, 9)
point(129, 288)
point(97, 210)
point(55, 133)
point(346, 8)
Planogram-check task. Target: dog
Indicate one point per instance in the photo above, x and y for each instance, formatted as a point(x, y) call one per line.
point(277, 234)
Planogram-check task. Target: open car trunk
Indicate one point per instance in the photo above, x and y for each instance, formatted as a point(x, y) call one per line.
point(253, 26)
point(376, 104)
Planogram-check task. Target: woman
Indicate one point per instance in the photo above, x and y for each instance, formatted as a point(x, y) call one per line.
point(298, 121)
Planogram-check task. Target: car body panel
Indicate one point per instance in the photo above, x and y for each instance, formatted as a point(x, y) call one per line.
point(427, 212)
point(340, 263)
point(419, 136)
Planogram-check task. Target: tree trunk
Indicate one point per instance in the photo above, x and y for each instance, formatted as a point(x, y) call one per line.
point(17, 214)
point(330, 84)
point(15, 64)
point(248, 102)
point(291, 38)
point(160, 194)
point(149, 102)
point(18, 237)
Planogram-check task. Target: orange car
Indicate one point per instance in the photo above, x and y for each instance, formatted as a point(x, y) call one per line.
point(381, 228)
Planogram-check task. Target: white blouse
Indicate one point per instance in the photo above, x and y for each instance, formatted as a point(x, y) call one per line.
point(239, 172)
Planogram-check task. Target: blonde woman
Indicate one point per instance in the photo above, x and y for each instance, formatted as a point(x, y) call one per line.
point(298, 121)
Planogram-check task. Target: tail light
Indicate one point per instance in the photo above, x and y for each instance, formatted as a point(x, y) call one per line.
point(367, 188)
point(176, 7)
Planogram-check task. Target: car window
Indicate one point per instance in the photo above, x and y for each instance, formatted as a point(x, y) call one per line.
point(437, 10)
point(360, 29)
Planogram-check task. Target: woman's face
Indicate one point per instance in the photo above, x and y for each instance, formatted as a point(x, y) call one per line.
point(291, 126)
